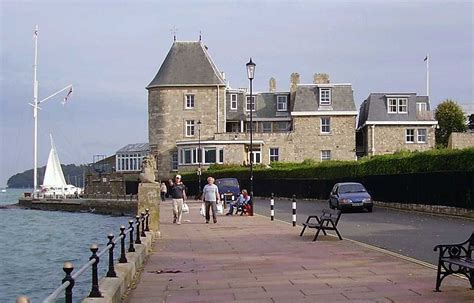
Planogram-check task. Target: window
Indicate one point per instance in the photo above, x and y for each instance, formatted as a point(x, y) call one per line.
point(325, 125)
point(250, 104)
point(402, 105)
point(187, 156)
point(174, 161)
point(283, 126)
point(397, 105)
point(421, 107)
point(410, 136)
point(247, 126)
point(235, 127)
point(189, 102)
point(257, 156)
point(421, 135)
point(189, 128)
point(325, 155)
point(209, 155)
point(324, 96)
point(267, 127)
point(392, 106)
point(274, 154)
point(282, 102)
point(233, 101)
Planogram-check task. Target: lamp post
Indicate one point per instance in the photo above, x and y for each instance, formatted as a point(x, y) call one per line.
point(199, 155)
point(251, 73)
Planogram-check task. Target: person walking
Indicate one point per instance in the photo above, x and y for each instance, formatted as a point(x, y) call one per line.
point(163, 191)
point(178, 194)
point(210, 196)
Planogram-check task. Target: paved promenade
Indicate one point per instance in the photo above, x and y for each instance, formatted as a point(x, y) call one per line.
point(252, 259)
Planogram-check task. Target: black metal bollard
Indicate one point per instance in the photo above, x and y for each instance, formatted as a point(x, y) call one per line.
point(137, 240)
point(111, 272)
point(123, 258)
point(68, 268)
point(143, 224)
point(95, 292)
point(293, 205)
point(272, 208)
point(147, 228)
point(131, 248)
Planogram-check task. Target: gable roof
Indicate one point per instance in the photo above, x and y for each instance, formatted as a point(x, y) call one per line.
point(374, 109)
point(187, 64)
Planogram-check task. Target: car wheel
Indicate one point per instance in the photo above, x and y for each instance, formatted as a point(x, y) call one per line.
point(370, 209)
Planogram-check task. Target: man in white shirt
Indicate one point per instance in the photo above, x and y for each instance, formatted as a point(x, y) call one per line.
point(210, 196)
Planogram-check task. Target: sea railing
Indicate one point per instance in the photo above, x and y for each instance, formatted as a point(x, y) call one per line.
point(68, 281)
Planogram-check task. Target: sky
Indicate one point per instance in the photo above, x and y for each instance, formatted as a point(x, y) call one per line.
point(111, 50)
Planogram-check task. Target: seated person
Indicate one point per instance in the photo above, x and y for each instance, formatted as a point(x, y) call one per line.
point(242, 200)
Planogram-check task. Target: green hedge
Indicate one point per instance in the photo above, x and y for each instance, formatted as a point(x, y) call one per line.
point(437, 160)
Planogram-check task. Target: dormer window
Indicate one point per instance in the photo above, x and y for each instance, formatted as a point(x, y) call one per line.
point(233, 101)
point(250, 105)
point(324, 96)
point(282, 103)
point(397, 105)
point(421, 107)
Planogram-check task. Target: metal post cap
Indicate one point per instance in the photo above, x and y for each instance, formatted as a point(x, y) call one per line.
point(68, 265)
point(110, 236)
point(22, 299)
point(122, 227)
point(94, 246)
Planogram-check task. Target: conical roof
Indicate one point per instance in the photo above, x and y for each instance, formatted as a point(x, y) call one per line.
point(187, 63)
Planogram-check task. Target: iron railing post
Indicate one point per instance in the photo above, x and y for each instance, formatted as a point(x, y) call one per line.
point(68, 268)
point(95, 292)
point(143, 224)
point(123, 258)
point(131, 248)
point(147, 228)
point(111, 272)
point(137, 240)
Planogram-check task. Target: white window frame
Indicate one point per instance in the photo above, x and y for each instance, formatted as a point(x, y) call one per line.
point(421, 138)
point(233, 101)
point(410, 135)
point(189, 101)
point(190, 128)
point(325, 155)
point(421, 107)
point(266, 129)
point(249, 103)
point(325, 127)
point(397, 105)
point(255, 153)
point(274, 154)
point(287, 126)
point(282, 103)
point(324, 96)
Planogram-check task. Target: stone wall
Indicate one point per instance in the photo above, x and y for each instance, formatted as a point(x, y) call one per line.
point(461, 140)
point(392, 138)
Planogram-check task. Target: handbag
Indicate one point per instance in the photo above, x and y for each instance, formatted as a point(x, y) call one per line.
point(202, 210)
point(185, 208)
point(220, 209)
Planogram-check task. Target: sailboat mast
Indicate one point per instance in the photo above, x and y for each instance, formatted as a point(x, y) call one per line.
point(35, 115)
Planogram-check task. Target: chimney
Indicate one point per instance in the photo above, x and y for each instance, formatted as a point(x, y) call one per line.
point(272, 85)
point(295, 80)
point(321, 79)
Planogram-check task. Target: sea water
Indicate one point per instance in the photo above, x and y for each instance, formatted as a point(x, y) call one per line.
point(34, 245)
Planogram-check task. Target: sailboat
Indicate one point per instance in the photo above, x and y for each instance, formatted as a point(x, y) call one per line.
point(54, 183)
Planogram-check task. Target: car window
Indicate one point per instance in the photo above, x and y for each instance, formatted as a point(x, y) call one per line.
point(351, 188)
point(227, 182)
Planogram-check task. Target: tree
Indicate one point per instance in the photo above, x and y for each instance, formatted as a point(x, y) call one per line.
point(450, 118)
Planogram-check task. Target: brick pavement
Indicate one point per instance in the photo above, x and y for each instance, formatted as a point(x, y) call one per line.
point(252, 259)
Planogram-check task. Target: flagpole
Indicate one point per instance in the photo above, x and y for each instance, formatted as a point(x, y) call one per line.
point(35, 115)
point(428, 76)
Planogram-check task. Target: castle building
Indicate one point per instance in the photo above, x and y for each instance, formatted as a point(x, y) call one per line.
point(195, 119)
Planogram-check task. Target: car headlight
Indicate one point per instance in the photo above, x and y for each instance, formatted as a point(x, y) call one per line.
point(344, 200)
point(367, 200)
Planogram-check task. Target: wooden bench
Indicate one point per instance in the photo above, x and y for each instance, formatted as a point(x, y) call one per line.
point(244, 208)
point(327, 221)
point(455, 259)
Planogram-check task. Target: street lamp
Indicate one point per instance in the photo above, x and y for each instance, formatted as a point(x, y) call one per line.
point(199, 155)
point(250, 75)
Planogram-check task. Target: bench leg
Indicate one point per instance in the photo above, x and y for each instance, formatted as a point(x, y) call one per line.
point(438, 277)
point(301, 234)
point(471, 277)
point(316, 235)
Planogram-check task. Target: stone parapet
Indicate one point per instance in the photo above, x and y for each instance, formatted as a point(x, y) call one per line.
point(149, 198)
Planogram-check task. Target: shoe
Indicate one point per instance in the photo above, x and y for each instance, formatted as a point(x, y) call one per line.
point(215, 221)
point(207, 222)
point(179, 223)
point(228, 214)
point(174, 220)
